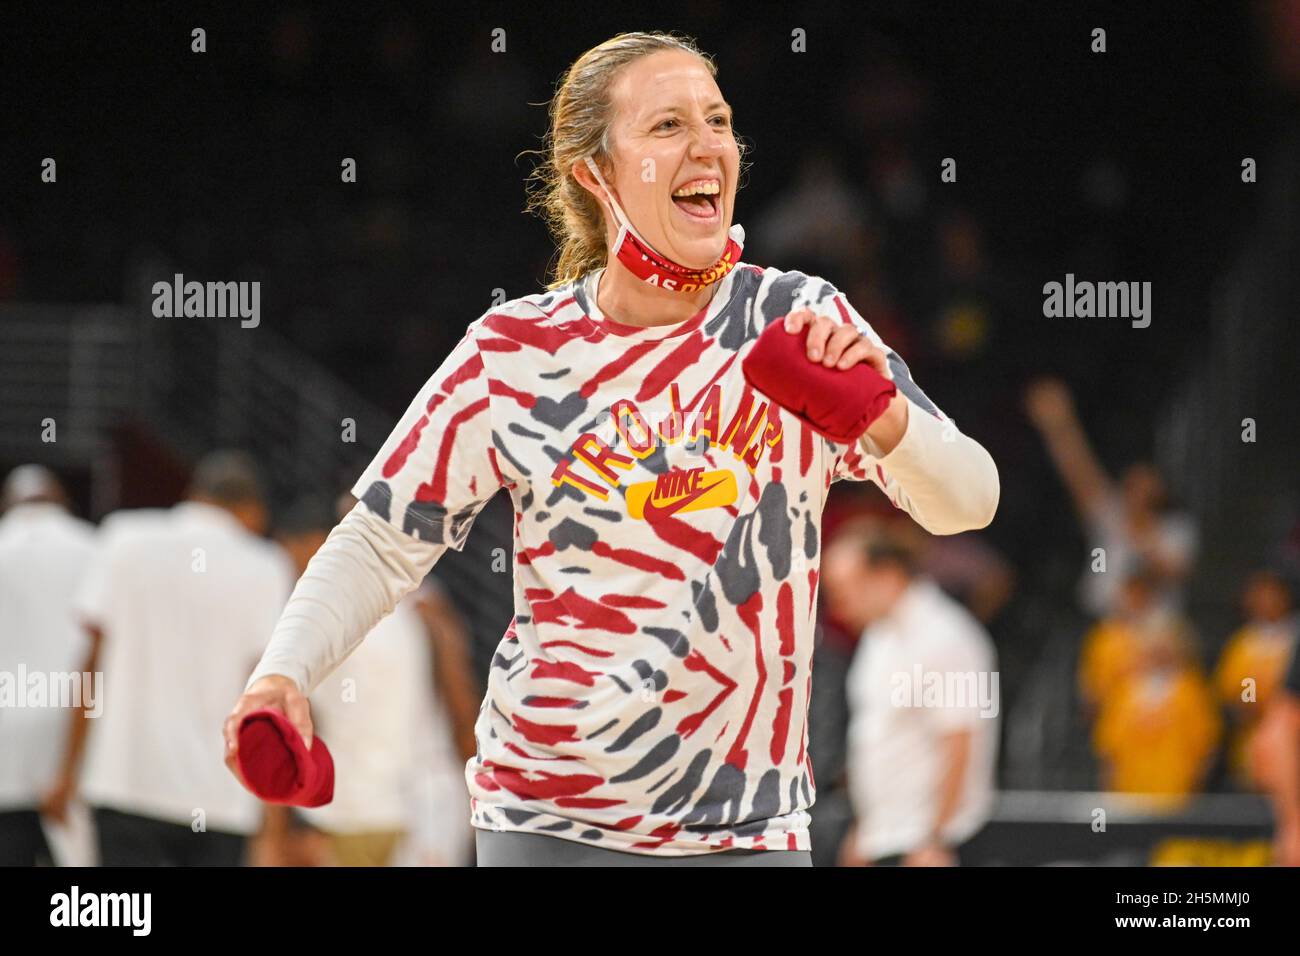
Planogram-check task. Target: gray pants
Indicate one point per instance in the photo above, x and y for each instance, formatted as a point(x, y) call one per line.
point(508, 848)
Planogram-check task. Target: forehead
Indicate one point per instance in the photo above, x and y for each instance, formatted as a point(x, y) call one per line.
point(664, 79)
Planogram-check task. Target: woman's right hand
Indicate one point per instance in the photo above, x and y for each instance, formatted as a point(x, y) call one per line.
point(277, 692)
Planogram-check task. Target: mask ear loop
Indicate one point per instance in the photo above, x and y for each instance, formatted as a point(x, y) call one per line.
point(625, 224)
point(617, 210)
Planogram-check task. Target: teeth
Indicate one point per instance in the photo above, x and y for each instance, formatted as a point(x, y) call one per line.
point(710, 188)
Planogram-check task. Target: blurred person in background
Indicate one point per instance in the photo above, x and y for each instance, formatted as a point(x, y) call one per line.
point(438, 832)
point(921, 772)
point(389, 712)
point(287, 838)
point(1252, 665)
point(1128, 519)
point(1157, 731)
point(1111, 647)
point(969, 569)
point(178, 604)
point(44, 554)
point(966, 566)
point(1277, 747)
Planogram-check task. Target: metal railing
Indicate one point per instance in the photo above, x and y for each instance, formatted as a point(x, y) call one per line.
point(197, 384)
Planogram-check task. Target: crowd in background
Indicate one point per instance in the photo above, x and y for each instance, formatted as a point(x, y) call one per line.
point(173, 607)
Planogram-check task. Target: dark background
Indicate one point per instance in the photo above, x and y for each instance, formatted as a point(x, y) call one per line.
point(227, 165)
point(1122, 166)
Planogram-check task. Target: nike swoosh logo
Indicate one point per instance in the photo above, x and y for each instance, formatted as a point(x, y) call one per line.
point(650, 507)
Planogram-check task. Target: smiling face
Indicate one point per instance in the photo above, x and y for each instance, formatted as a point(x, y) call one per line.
point(675, 158)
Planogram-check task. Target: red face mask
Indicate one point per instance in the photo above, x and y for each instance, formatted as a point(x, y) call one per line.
point(640, 258)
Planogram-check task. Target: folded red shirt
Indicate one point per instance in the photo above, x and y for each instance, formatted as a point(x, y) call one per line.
point(838, 403)
point(276, 764)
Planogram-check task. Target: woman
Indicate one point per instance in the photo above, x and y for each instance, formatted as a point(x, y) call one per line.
point(647, 705)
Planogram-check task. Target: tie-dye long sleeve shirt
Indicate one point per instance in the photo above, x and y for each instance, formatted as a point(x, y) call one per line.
point(651, 693)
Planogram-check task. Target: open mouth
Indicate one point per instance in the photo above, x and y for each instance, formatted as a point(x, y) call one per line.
point(699, 201)
point(698, 207)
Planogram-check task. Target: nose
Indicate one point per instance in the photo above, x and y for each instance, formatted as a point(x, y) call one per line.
point(707, 141)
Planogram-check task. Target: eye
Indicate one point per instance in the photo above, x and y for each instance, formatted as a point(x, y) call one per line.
point(725, 121)
point(665, 123)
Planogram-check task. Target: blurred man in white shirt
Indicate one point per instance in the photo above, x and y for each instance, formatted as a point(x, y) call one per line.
point(44, 554)
point(388, 713)
point(923, 701)
point(178, 605)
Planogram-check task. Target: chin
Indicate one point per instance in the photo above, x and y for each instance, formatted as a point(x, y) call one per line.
point(700, 253)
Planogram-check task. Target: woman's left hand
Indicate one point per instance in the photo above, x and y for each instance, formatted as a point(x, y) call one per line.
point(840, 345)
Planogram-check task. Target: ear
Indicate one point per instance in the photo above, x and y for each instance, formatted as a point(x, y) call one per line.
point(582, 173)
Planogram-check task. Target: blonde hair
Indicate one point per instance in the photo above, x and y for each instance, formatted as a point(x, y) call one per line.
point(581, 114)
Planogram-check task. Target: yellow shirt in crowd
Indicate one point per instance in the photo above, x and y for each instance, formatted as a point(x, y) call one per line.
point(1156, 733)
point(1261, 655)
point(1109, 655)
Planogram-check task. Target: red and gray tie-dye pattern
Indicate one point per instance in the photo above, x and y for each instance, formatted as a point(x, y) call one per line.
point(651, 693)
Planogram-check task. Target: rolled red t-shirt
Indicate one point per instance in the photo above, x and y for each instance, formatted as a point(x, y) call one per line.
point(838, 403)
point(276, 764)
